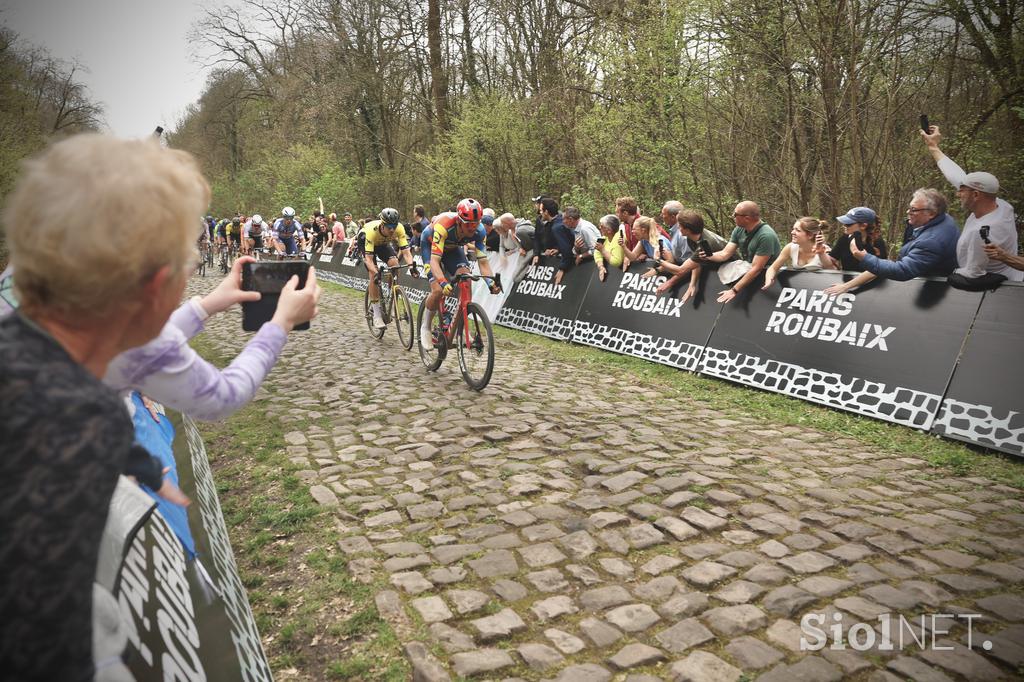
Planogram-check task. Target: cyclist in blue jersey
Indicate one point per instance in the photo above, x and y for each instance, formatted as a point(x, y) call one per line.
point(287, 233)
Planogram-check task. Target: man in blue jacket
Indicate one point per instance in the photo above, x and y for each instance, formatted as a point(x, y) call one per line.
point(931, 251)
point(561, 234)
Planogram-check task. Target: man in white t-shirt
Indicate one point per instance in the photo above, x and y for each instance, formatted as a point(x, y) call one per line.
point(977, 193)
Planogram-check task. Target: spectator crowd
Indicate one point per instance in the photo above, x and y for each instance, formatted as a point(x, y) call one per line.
point(99, 318)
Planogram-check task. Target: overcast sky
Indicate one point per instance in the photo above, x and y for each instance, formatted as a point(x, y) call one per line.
point(141, 66)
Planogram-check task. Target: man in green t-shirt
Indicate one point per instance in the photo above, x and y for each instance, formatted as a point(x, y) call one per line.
point(756, 243)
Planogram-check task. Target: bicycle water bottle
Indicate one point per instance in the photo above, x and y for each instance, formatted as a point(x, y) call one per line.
point(446, 319)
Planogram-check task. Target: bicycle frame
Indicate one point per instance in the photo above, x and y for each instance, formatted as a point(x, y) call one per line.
point(464, 294)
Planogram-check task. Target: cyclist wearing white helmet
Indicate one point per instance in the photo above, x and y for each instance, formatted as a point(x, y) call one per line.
point(252, 234)
point(288, 237)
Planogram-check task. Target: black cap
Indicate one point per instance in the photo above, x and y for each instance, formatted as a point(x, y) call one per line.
point(539, 198)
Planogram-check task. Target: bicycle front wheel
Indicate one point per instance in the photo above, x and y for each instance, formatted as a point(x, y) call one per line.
point(404, 318)
point(374, 331)
point(433, 356)
point(475, 342)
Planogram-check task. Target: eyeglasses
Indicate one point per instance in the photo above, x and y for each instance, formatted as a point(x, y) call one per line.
point(917, 210)
point(740, 215)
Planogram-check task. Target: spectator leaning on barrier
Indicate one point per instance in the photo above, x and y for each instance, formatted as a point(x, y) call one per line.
point(977, 193)
point(677, 240)
point(544, 243)
point(86, 295)
point(931, 252)
point(351, 228)
point(875, 242)
point(585, 233)
point(609, 251)
point(563, 237)
point(493, 239)
point(855, 223)
point(651, 243)
point(806, 251)
point(756, 243)
point(627, 211)
point(701, 242)
point(337, 230)
point(505, 226)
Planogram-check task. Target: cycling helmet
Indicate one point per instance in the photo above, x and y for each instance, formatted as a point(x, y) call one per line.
point(389, 216)
point(257, 219)
point(469, 211)
point(236, 220)
point(288, 212)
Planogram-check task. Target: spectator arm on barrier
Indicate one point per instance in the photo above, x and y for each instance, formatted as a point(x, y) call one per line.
point(757, 267)
point(910, 266)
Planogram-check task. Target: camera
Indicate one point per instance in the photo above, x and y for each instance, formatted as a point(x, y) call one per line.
point(704, 247)
point(983, 232)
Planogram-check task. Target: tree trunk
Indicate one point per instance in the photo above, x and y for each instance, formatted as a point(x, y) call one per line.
point(438, 79)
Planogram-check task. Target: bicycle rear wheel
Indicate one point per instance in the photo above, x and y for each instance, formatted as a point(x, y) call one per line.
point(404, 318)
point(374, 332)
point(433, 357)
point(201, 268)
point(476, 348)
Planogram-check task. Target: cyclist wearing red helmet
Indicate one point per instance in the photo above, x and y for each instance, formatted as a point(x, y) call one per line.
point(443, 247)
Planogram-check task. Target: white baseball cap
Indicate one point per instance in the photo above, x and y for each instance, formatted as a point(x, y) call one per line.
point(981, 181)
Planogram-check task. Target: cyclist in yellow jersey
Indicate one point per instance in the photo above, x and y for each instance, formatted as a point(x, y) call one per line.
point(375, 241)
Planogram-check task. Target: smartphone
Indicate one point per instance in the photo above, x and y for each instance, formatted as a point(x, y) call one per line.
point(983, 232)
point(925, 126)
point(600, 240)
point(705, 247)
point(268, 278)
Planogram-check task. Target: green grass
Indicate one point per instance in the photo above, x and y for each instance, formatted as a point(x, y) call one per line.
point(774, 409)
point(312, 614)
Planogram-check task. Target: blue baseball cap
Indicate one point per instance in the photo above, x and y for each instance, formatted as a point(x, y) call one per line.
point(860, 214)
point(487, 220)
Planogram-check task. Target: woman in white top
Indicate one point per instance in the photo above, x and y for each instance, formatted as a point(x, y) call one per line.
point(807, 250)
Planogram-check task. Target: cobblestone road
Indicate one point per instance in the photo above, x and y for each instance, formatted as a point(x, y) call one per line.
point(567, 527)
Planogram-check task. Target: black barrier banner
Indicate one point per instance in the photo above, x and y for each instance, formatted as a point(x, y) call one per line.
point(188, 619)
point(625, 314)
point(333, 265)
point(886, 351)
point(538, 305)
point(983, 404)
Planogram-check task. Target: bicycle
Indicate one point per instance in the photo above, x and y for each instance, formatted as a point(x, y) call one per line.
point(394, 305)
point(469, 330)
point(204, 248)
point(225, 263)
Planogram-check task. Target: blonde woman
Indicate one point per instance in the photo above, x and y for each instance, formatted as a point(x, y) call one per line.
point(651, 241)
point(86, 295)
point(806, 251)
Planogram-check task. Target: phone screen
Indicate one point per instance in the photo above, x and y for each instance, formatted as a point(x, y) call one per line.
point(269, 277)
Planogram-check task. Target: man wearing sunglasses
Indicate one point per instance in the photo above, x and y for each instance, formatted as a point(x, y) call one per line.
point(376, 241)
point(977, 194)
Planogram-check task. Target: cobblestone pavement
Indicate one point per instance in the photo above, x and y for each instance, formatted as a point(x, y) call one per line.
point(571, 527)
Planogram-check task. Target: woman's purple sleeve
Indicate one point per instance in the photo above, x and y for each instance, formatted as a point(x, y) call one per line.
point(169, 371)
